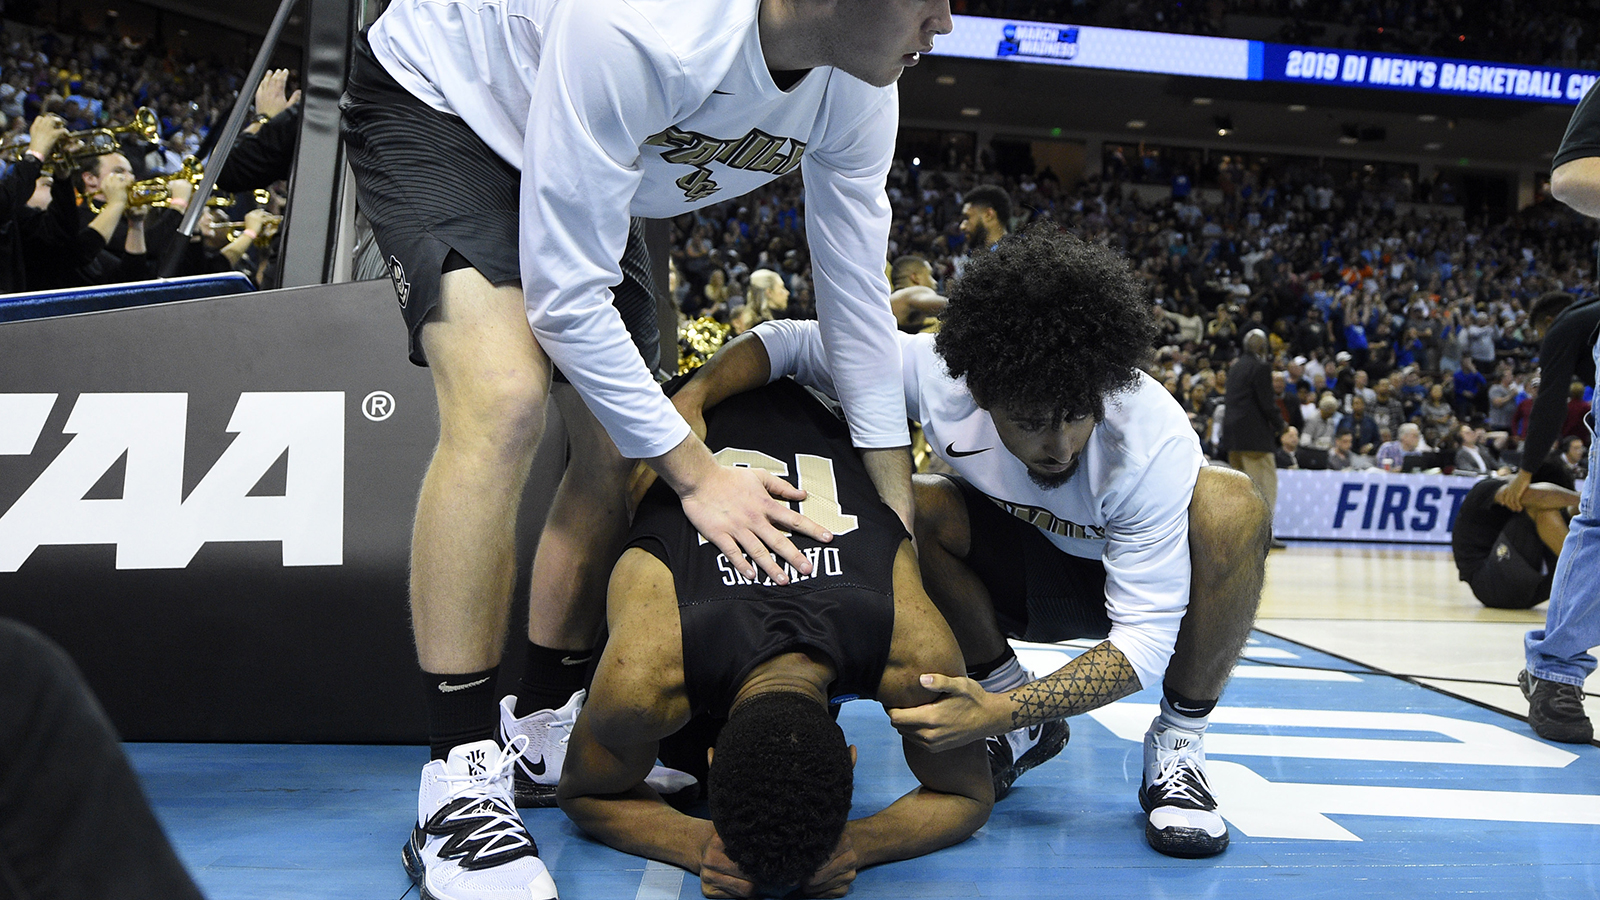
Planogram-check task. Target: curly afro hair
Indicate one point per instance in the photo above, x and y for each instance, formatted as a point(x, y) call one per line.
point(779, 787)
point(1046, 323)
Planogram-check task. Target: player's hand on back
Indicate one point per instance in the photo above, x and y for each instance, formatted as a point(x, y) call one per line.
point(720, 876)
point(745, 512)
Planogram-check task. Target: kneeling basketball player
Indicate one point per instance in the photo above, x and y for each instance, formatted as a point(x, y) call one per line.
point(756, 665)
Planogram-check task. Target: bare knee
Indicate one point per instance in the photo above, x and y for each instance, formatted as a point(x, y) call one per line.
point(493, 413)
point(941, 514)
point(1229, 521)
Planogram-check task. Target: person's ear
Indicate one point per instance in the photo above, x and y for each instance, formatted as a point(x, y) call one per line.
point(852, 756)
point(710, 752)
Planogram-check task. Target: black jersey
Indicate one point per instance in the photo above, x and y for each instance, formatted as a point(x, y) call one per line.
point(844, 609)
point(1478, 524)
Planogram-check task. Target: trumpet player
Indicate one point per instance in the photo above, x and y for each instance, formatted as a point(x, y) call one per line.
point(19, 184)
point(67, 246)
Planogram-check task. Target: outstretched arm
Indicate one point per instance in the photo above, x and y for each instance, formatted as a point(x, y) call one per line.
point(965, 712)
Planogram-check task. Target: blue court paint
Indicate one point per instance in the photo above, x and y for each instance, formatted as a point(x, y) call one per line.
point(1356, 785)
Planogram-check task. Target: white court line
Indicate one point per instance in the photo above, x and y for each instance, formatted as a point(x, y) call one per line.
point(660, 882)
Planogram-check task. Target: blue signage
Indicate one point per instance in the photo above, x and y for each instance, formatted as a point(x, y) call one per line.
point(1124, 50)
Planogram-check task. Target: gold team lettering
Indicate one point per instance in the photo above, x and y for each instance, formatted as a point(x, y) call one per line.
point(757, 151)
point(1044, 518)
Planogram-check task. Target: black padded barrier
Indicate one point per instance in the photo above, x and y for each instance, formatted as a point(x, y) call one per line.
point(208, 503)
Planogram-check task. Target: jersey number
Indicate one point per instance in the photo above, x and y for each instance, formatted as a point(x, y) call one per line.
point(816, 478)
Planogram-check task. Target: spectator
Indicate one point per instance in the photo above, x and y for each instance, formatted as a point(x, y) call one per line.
point(1320, 429)
point(1574, 457)
point(1577, 413)
point(1250, 419)
point(1391, 456)
point(1519, 420)
point(1472, 458)
point(1361, 426)
point(1288, 446)
point(1471, 390)
point(1386, 409)
point(1502, 400)
point(1436, 411)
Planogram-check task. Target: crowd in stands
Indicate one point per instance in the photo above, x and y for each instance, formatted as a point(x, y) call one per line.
point(1385, 305)
point(1554, 33)
point(1382, 312)
point(73, 225)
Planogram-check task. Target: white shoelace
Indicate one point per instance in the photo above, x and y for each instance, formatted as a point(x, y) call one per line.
point(1179, 777)
point(502, 822)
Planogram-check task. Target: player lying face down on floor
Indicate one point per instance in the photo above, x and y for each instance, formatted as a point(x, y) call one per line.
point(700, 658)
point(1083, 509)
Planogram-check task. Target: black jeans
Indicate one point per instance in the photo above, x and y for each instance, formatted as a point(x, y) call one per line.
point(73, 821)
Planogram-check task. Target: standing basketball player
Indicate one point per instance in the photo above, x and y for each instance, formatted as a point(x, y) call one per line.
point(500, 148)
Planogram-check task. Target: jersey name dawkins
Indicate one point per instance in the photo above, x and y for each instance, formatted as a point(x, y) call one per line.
point(825, 561)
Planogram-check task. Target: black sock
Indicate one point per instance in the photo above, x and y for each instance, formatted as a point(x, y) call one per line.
point(551, 677)
point(984, 670)
point(1183, 706)
point(461, 709)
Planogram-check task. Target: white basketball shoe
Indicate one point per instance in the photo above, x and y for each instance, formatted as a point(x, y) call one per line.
point(547, 732)
point(469, 842)
point(1182, 813)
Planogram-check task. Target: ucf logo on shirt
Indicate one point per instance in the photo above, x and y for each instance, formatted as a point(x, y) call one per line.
point(1044, 518)
point(756, 151)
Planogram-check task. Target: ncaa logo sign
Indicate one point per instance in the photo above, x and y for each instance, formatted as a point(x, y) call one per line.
point(153, 525)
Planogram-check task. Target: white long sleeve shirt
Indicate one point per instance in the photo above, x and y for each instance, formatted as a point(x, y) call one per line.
point(1128, 505)
point(653, 108)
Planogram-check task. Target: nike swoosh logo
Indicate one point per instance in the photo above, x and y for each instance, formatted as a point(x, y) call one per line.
point(1033, 732)
point(569, 661)
point(950, 449)
point(446, 687)
point(536, 769)
point(723, 93)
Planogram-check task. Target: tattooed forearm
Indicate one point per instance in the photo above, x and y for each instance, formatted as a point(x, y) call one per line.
point(1100, 676)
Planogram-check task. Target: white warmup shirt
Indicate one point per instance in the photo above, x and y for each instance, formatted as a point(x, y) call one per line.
point(653, 108)
point(1128, 504)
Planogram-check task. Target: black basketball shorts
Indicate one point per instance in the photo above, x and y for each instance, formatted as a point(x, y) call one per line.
point(1040, 592)
point(439, 199)
point(1519, 570)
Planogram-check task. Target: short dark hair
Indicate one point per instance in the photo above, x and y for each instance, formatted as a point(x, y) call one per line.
point(993, 197)
point(1549, 305)
point(779, 787)
point(1047, 322)
point(901, 269)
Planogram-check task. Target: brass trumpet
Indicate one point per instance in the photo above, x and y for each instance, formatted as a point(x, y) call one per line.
point(269, 229)
point(78, 147)
point(157, 192)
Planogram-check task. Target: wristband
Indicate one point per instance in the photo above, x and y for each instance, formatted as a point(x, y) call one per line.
point(178, 203)
point(263, 119)
point(36, 155)
point(249, 233)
